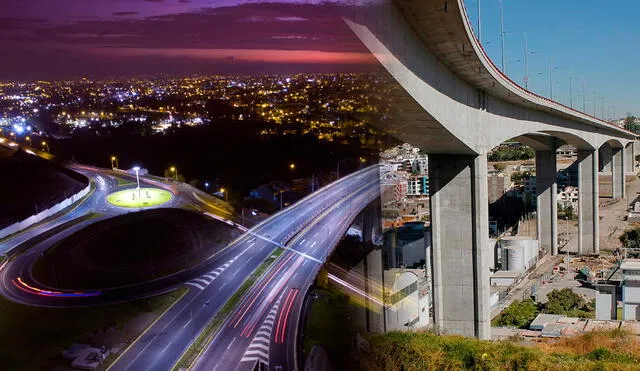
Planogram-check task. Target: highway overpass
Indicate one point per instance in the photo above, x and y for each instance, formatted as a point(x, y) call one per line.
point(456, 106)
point(326, 213)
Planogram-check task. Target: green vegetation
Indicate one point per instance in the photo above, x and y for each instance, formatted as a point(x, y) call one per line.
point(148, 197)
point(604, 350)
point(212, 327)
point(569, 303)
point(566, 211)
point(518, 176)
point(631, 124)
point(520, 314)
point(32, 338)
point(630, 239)
point(132, 248)
point(508, 153)
point(125, 182)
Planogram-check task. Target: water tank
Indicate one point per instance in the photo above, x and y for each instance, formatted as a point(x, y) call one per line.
point(518, 253)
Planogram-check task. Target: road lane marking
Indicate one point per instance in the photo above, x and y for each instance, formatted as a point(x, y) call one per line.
point(194, 285)
point(258, 349)
point(165, 348)
point(231, 343)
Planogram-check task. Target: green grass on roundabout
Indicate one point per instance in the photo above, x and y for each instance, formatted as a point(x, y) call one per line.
point(148, 197)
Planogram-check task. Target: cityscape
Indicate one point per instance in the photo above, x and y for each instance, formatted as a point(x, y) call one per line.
point(307, 185)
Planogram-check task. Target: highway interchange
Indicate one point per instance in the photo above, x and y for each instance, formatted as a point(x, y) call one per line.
point(266, 318)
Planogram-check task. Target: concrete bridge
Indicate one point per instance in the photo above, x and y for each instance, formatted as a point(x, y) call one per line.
point(456, 106)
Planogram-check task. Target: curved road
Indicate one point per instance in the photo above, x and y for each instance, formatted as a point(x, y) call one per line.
point(23, 249)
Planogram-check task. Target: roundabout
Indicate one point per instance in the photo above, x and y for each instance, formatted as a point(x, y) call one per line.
point(139, 198)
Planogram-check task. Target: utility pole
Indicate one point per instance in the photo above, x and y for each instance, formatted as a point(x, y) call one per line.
point(502, 32)
point(594, 103)
point(550, 79)
point(570, 91)
point(479, 24)
point(583, 98)
point(526, 62)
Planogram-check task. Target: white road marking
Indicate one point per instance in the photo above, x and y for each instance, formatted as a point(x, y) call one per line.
point(194, 285)
point(231, 343)
point(165, 348)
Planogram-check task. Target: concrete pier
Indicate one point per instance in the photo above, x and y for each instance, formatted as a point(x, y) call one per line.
point(547, 200)
point(588, 231)
point(460, 237)
point(617, 177)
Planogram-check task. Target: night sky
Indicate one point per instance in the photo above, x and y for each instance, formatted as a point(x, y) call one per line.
point(65, 39)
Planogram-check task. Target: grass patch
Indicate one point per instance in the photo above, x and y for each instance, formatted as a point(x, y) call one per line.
point(207, 334)
point(132, 248)
point(148, 197)
point(32, 338)
point(603, 350)
point(125, 182)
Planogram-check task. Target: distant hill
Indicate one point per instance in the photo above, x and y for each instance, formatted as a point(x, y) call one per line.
point(30, 184)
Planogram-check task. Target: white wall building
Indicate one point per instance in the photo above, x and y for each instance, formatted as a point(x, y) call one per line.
point(406, 305)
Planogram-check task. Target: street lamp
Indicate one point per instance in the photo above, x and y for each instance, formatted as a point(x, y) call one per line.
point(206, 186)
point(45, 144)
point(550, 71)
point(114, 162)
point(28, 140)
point(511, 61)
point(292, 166)
point(137, 170)
point(526, 58)
point(226, 194)
point(175, 172)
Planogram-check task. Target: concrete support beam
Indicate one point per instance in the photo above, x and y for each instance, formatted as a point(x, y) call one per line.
point(617, 179)
point(588, 217)
point(547, 200)
point(605, 158)
point(460, 236)
point(629, 158)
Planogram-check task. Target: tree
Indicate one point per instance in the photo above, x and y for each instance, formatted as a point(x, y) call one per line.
point(563, 301)
point(565, 211)
point(631, 124)
point(519, 314)
point(630, 239)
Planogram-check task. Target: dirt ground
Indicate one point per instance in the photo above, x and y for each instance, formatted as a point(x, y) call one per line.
point(612, 222)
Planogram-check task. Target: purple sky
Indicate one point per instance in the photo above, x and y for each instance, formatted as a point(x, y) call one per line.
point(111, 38)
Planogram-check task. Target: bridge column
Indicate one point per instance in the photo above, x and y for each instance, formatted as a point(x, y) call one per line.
point(588, 217)
point(460, 237)
point(605, 158)
point(629, 158)
point(547, 200)
point(617, 179)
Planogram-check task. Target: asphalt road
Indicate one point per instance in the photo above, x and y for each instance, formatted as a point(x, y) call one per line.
point(23, 249)
point(162, 345)
point(264, 326)
point(212, 282)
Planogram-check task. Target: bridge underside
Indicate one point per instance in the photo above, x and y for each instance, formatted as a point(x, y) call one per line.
point(451, 107)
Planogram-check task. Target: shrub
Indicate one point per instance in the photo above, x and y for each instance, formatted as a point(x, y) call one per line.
point(519, 314)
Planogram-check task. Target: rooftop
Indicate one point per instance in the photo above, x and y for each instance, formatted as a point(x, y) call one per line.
point(630, 264)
